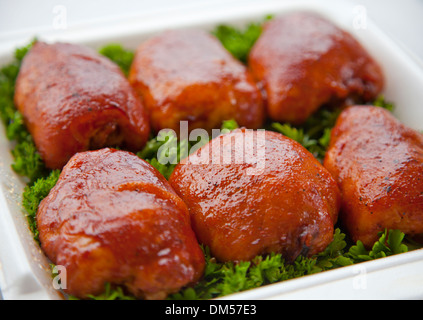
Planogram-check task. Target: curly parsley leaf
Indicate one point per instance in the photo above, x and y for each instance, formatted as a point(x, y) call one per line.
point(390, 242)
point(315, 146)
point(110, 293)
point(165, 150)
point(119, 55)
point(334, 254)
point(27, 160)
point(221, 279)
point(229, 125)
point(32, 196)
point(239, 41)
point(315, 133)
point(381, 102)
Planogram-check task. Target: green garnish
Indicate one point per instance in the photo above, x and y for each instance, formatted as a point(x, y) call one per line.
point(32, 196)
point(389, 243)
point(221, 279)
point(111, 293)
point(381, 102)
point(314, 134)
point(229, 125)
point(297, 134)
point(165, 151)
point(122, 57)
point(27, 161)
point(239, 42)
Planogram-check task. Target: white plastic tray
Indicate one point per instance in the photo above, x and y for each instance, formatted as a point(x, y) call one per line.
point(24, 270)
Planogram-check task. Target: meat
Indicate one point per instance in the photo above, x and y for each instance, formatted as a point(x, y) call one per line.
point(112, 218)
point(73, 100)
point(187, 75)
point(251, 193)
point(378, 164)
point(304, 61)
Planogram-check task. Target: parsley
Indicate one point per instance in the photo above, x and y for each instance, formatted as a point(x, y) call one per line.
point(239, 42)
point(381, 102)
point(221, 279)
point(122, 57)
point(229, 125)
point(27, 160)
point(110, 293)
point(165, 151)
point(389, 243)
point(317, 146)
point(314, 134)
point(296, 134)
point(32, 196)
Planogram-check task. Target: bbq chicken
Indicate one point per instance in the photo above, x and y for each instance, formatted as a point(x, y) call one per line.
point(187, 75)
point(252, 192)
point(112, 218)
point(378, 164)
point(73, 100)
point(303, 61)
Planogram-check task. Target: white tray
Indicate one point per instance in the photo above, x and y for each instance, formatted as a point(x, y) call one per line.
point(24, 270)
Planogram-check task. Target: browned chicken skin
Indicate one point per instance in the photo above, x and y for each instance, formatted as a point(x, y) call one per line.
point(188, 75)
point(73, 99)
point(289, 202)
point(113, 218)
point(304, 61)
point(378, 164)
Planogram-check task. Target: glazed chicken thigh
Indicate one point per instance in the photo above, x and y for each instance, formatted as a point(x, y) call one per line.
point(73, 100)
point(252, 193)
point(378, 164)
point(304, 61)
point(112, 218)
point(187, 75)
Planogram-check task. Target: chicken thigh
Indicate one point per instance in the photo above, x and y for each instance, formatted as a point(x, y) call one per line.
point(187, 75)
point(378, 164)
point(73, 99)
point(251, 193)
point(112, 218)
point(304, 61)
